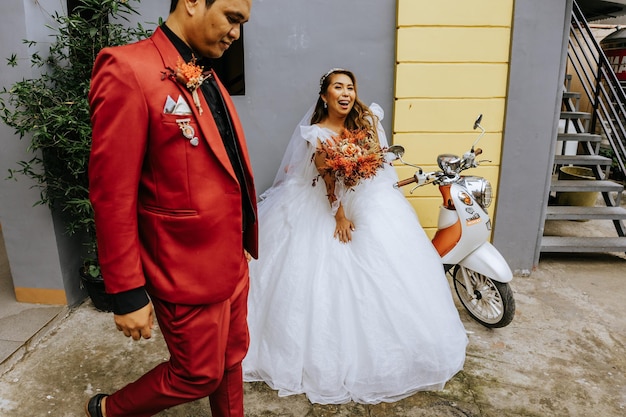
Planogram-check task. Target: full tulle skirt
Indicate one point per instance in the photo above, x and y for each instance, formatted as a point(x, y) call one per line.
point(368, 321)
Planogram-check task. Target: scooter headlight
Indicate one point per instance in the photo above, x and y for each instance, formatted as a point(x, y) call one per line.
point(480, 189)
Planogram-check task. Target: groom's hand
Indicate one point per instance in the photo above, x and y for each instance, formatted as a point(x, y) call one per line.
point(136, 324)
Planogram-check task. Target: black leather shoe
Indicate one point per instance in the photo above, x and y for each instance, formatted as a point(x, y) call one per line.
point(93, 408)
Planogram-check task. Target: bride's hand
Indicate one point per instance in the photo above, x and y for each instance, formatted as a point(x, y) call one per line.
point(343, 229)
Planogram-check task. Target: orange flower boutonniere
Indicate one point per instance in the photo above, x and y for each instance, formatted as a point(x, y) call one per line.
point(191, 76)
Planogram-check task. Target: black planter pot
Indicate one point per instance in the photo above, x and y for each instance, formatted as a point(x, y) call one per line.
point(95, 288)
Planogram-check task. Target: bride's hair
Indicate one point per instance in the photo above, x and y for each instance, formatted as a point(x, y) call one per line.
point(360, 117)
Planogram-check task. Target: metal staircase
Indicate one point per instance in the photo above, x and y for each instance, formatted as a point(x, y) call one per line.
point(587, 130)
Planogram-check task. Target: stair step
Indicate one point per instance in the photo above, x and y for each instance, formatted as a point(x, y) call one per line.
point(585, 185)
point(575, 115)
point(571, 94)
point(585, 213)
point(580, 137)
point(583, 244)
point(584, 160)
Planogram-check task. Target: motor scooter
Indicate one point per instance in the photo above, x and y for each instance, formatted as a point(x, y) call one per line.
point(480, 274)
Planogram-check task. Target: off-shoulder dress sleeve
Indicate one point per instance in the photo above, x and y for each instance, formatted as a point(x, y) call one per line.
point(377, 111)
point(313, 132)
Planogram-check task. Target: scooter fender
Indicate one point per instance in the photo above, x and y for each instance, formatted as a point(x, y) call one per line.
point(488, 261)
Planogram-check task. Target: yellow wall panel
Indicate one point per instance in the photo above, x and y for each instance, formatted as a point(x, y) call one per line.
point(447, 115)
point(449, 80)
point(453, 61)
point(455, 12)
point(430, 232)
point(423, 148)
point(453, 44)
point(427, 210)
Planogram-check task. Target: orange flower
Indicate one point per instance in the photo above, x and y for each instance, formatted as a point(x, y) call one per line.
point(190, 75)
point(353, 156)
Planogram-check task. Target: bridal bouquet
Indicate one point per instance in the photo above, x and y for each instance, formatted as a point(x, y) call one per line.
point(353, 156)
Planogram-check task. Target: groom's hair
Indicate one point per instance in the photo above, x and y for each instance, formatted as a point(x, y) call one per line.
point(175, 2)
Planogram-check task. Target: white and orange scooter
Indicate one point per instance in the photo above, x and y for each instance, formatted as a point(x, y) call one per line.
point(480, 274)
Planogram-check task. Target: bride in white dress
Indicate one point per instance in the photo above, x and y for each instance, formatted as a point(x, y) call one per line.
point(348, 301)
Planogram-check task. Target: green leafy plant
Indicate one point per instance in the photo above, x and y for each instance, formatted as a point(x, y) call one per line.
point(52, 110)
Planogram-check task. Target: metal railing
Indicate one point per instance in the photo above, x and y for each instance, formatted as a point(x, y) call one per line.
point(600, 84)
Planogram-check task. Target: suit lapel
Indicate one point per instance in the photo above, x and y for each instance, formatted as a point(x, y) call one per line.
point(236, 123)
point(205, 121)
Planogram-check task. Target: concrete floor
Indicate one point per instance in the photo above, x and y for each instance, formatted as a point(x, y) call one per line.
point(21, 324)
point(563, 355)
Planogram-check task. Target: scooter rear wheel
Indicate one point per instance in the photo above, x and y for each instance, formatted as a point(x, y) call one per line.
point(489, 302)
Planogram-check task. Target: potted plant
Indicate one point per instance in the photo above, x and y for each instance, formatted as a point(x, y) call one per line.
point(51, 111)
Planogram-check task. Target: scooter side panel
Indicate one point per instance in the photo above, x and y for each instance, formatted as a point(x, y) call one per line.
point(473, 221)
point(446, 239)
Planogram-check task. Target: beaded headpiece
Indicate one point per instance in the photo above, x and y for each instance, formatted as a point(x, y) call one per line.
point(328, 73)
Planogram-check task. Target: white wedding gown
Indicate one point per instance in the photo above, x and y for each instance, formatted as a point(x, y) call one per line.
point(368, 321)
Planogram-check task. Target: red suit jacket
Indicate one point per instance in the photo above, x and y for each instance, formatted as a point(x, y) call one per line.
point(168, 213)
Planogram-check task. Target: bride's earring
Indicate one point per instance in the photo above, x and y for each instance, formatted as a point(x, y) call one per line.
point(325, 105)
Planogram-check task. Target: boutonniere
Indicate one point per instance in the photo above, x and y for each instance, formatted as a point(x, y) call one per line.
point(191, 76)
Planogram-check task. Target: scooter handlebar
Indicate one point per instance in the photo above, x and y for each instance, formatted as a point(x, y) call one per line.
point(404, 182)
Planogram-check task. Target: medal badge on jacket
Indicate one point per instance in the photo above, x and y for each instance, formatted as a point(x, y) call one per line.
point(180, 107)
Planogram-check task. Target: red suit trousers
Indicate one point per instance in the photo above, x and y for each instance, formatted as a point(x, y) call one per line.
point(207, 344)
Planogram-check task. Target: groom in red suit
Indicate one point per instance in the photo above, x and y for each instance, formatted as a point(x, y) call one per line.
point(175, 208)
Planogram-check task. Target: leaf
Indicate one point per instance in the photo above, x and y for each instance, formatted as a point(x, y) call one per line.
point(94, 271)
point(12, 60)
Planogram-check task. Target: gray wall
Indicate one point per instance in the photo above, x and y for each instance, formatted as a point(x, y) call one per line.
point(289, 44)
point(536, 79)
point(28, 231)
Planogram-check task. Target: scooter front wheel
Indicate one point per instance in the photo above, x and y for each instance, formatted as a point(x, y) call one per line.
point(489, 302)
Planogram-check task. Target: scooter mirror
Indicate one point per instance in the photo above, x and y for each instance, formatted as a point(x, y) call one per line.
point(478, 120)
point(397, 150)
point(482, 130)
